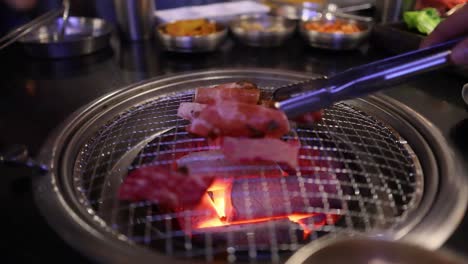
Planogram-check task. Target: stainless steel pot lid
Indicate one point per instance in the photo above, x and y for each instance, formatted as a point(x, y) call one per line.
point(395, 176)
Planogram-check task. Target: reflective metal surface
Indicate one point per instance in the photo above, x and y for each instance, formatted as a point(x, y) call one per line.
point(65, 16)
point(299, 11)
point(309, 10)
point(82, 36)
point(441, 208)
point(23, 30)
point(388, 11)
point(135, 18)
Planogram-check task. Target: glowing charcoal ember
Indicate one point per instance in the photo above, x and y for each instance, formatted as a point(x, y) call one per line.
point(224, 203)
point(220, 195)
point(211, 215)
point(242, 92)
point(189, 111)
point(239, 120)
point(254, 198)
point(263, 234)
point(315, 222)
point(212, 209)
point(264, 149)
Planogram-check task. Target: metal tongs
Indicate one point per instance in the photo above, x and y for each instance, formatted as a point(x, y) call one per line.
point(312, 95)
point(343, 12)
point(36, 23)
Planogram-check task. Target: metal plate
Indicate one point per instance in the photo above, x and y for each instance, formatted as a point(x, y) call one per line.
point(93, 144)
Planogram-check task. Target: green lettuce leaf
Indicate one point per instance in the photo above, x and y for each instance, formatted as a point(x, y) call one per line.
point(425, 21)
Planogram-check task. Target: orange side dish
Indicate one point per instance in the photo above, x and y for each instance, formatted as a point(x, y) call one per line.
point(190, 27)
point(332, 27)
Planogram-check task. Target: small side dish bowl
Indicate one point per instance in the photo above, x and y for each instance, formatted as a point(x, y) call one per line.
point(192, 36)
point(262, 30)
point(330, 32)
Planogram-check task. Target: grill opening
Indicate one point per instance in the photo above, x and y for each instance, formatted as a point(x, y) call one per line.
point(360, 177)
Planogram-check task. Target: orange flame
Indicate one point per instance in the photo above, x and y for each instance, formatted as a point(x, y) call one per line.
point(218, 196)
point(216, 204)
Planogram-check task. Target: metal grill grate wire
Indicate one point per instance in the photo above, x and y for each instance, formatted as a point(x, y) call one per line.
point(376, 181)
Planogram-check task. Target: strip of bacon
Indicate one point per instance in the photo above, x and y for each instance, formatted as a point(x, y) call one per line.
point(239, 120)
point(215, 163)
point(164, 186)
point(189, 111)
point(163, 182)
point(264, 149)
point(242, 92)
point(179, 184)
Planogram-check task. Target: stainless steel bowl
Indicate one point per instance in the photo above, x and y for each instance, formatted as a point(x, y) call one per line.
point(335, 41)
point(192, 44)
point(82, 36)
point(262, 30)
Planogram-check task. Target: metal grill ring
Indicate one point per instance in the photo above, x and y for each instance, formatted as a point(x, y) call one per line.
point(383, 187)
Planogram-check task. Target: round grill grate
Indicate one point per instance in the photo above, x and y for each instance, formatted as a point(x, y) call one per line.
point(377, 178)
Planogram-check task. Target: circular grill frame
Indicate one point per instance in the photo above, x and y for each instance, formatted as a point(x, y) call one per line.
point(56, 199)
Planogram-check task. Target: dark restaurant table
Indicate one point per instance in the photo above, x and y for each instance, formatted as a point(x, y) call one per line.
point(38, 94)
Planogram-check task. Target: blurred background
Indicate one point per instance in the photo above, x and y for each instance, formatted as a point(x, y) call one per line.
point(39, 93)
point(16, 12)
